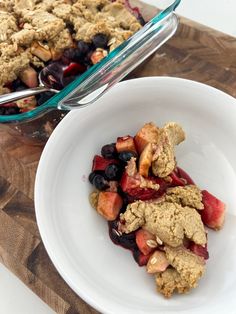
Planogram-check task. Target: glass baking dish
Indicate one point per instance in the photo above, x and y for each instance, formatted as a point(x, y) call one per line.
point(35, 126)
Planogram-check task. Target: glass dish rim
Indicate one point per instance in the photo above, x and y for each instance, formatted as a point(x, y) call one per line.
point(53, 101)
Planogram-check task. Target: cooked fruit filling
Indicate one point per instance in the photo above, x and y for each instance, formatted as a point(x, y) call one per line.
point(65, 37)
point(153, 207)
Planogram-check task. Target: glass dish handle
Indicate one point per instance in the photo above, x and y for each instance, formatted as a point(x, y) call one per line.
point(119, 62)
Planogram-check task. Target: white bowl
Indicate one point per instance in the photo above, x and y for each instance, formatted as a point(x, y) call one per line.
point(76, 237)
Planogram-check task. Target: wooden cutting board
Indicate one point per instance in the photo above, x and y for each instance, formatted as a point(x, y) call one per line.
point(196, 52)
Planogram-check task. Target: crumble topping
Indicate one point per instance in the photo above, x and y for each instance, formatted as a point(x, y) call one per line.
point(189, 195)
point(170, 281)
point(171, 222)
point(164, 157)
point(25, 24)
point(189, 265)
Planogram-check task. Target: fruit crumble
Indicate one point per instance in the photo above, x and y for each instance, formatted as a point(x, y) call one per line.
point(65, 36)
point(153, 207)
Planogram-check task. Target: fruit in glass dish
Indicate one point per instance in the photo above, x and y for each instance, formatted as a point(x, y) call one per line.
point(64, 38)
point(160, 219)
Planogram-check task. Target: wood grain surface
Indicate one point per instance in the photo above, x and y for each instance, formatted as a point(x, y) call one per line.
point(195, 52)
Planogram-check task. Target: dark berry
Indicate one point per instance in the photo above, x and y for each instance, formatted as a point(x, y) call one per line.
point(73, 54)
point(126, 156)
point(109, 151)
point(99, 182)
point(18, 85)
point(70, 28)
point(94, 173)
point(91, 177)
point(127, 241)
point(100, 40)
point(112, 172)
point(83, 47)
point(9, 110)
point(43, 97)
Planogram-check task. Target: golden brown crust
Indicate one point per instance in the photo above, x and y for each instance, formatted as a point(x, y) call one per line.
point(170, 281)
point(164, 158)
point(189, 195)
point(190, 266)
point(171, 222)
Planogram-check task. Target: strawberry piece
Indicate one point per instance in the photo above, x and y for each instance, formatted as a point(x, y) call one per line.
point(176, 180)
point(131, 186)
point(74, 69)
point(213, 214)
point(100, 163)
point(182, 174)
point(125, 143)
point(142, 238)
point(109, 205)
point(140, 258)
point(199, 250)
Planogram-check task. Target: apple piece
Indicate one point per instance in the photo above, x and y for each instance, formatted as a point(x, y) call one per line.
point(213, 214)
point(199, 250)
point(39, 51)
point(147, 134)
point(56, 54)
point(146, 241)
point(157, 262)
point(29, 77)
point(98, 55)
point(109, 205)
point(100, 163)
point(125, 144)
point(145, 160)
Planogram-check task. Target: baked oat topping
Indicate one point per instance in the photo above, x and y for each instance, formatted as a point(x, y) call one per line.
point(171, 222)
point(27, 24)
point(189, 195)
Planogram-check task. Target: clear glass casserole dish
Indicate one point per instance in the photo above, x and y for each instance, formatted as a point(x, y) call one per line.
point(35, 126)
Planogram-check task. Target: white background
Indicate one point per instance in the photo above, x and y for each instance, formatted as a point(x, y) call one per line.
point(15, 297)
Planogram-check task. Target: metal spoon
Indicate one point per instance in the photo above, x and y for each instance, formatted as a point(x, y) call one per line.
point(44, 86)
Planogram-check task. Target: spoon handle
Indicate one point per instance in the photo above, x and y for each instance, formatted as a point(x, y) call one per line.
point(6, 98)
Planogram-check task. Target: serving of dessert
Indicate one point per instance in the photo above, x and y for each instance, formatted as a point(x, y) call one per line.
point(153, 207)
point(66, 37)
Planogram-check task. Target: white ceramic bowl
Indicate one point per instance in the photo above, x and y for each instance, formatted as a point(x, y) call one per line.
point(76, 237)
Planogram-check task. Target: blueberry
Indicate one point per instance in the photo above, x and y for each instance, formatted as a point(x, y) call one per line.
point(91, 176)
point(18, 85)
point(100, 40)
point(12, 110)
point(70, 28)
point(9, 110)
point(109, 151)
point(99, 182)
point(73, 54)
point(112, 172)
point(43, 97)
point(83, 47)
point(126, 156)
